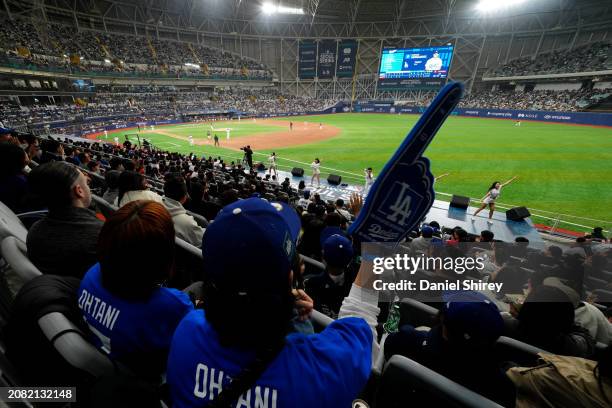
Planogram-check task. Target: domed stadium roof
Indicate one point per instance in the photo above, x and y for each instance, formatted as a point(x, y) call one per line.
point(333, 18)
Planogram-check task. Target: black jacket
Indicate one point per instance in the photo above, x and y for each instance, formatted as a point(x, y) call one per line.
point(64, 243)
point(326, 294)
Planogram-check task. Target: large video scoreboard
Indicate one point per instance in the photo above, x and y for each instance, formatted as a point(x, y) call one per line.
point(417, 68)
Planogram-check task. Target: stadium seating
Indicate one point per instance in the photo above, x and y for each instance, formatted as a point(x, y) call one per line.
point(416, 313)
point(587, 58)
point(406, 382)
point(72, 345)
point(75, 50)
point(14, 253)
point(11, 225)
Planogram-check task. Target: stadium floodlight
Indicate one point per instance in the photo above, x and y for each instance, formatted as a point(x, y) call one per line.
point(488, 6)
point(269, 9)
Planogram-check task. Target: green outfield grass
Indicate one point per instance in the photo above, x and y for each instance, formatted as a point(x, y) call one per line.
point(561, 168)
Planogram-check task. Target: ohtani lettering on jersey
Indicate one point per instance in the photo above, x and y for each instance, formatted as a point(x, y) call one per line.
point(99, 310)
point(209, 384)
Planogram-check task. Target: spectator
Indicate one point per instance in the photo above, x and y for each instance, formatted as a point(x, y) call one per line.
point(598, 234)
point(185, 226)
point(422, 243)
point(84, 159)
point(64, 242)
point(13, 182)
point(304, 200)
point(132, 316)
point(329, 288)
point(52, 151)
point(132, 187)
point(94, 166)
point(586, 315)
point(342, 211)
point(461, 346)
point(112, 186)
point(486, 236)
point(248, 252)
point(546, 320)
point(561, 381)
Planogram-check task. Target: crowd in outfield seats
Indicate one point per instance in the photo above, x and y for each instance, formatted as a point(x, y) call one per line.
point(124, 107)
point(125, 260)
point(119, 108)
point(588, 58)
point(51, 46)
point(562, 101)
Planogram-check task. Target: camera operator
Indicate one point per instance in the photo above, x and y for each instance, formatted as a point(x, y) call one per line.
point(248, 155)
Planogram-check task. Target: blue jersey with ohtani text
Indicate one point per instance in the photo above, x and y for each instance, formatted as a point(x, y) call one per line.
point(328, 369)
point(124, 327)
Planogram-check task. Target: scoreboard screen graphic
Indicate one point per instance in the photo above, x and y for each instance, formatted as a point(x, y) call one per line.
point(415, 63)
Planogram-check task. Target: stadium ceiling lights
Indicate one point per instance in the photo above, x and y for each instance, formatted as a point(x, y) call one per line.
point(269, 9)
point(489, 6)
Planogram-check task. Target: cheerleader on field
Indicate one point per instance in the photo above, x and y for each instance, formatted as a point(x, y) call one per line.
point(316, 172)
point(490, 197)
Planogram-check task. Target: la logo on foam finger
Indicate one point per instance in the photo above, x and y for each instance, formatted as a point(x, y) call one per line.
point(403, 192)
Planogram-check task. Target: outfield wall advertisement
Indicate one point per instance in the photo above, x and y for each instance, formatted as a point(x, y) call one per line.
point(580, 118)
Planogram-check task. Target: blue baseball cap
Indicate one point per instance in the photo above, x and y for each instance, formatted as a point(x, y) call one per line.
point(328, 232)
point(427, 231)
point(250, 246)
point(472, 317)
point(337, 251)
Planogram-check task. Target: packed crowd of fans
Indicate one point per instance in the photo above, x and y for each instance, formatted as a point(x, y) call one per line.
point(588, 58)
point(52, 46)
point(143, 106)
point(252, 281)
point(562, 101)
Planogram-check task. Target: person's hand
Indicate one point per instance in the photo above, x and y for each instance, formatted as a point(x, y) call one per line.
point(355, 203)
point(303, 304)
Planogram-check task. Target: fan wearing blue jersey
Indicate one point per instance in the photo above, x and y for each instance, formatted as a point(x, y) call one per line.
point(239, 350)
point(131, 315)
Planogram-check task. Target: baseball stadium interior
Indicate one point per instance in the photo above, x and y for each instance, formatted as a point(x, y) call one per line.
point(196, 197)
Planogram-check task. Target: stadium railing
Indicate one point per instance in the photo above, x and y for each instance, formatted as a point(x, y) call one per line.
point(406, 382)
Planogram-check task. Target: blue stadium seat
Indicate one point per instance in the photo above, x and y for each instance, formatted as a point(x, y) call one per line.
point(405, 382)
